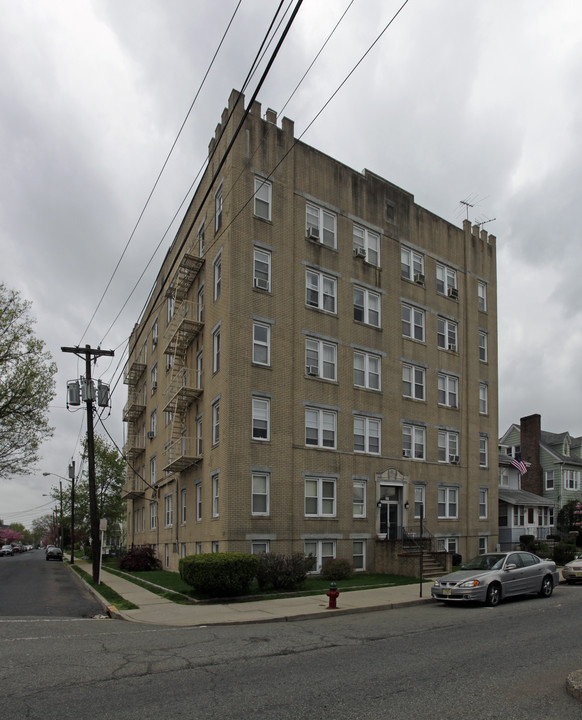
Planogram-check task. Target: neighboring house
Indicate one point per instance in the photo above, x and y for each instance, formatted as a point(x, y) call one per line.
point(554, 460)
point(316, 367)
point(520, 512)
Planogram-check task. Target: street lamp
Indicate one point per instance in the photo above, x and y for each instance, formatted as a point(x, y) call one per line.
point(72, 479)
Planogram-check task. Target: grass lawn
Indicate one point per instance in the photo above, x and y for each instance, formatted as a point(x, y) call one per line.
point(159, 581)
point(106, 592)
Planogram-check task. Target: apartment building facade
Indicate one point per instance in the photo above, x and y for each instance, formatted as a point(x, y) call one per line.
point(316, 369)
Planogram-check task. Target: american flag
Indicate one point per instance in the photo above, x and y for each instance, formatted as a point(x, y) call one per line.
point(519, 464)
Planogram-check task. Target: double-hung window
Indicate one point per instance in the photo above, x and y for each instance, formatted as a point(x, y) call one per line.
point(215, 495)
point(263, 197)
point(413, 382)
point(154, 423)
point(367, 244)
point(447, 334)
point(483, 346)
point(320, 497)
point(446, 280)
point(483, 451)
point(198, 501)
point(320, 291)
point(153, 515)
point(170, 307)
point(261, 344)
point(448, 447)
point(169, 509)
point(216, 350)
point(320, 225)
point(183, 499)
point(448, 500)
point(483, 502)
point(414, 442)
point(419, 499)
point(321, 359)
point(217, 276)
point(549, 479)
point(359, 503)
point(218, 208)
point(483, 399)
point(321, 550)
point(367, 433)
point(448, 390)
point(571, 480)
point(482, 296)
point(199, 436)
point(215, 422)
point(412, 323)
point(367, 370)
point(201, 238)
point(153, 479)
point(411, 265)
point(262, 269)
point(320, 428)
point(260, 493)
point(366, 306)
point(261, 419)
point(359, 555)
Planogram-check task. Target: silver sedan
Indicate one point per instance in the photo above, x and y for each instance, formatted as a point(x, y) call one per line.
point(491, 577)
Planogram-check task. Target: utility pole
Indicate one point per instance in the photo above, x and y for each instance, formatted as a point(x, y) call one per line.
point(89, 396)
point(72, 479)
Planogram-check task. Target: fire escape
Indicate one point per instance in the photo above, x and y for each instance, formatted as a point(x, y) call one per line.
point(132, 413)
point(185, 384)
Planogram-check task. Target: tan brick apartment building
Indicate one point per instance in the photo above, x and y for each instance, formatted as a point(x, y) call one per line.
point(317, 362)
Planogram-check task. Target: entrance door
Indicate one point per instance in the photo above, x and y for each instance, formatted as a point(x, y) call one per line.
point(389, 520)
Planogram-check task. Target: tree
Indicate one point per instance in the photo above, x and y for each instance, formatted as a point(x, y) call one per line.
point(43, 529)
point(27, 386)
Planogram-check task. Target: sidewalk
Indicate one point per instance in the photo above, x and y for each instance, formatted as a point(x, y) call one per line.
point(154, 610)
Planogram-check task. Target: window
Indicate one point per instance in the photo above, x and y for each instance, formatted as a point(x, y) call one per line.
point(154, 378)
point(320, 291)
point(367, 434)
point(482, 545)
point(367, 370)
point(183, 504)
point(198, 436)
point(359, 504)
point(321, 359)
point(320, 497)
point(571, 479)
point(169, 509)
point(320, 225)
point(262, 269)
point(482, 296)
point(217, 276)
point(359, 555)
point(182, 549)
point(215, 422)
point(259, 547)
point(170, 307)
point(448, 447)
point(447, 502)
point(198, 547)
point(260, 494)
point(447, 334)
point(155, 334)
point(366, 306)
point(447, 544)
point(261, 344)
point(320, 428)
point(153, 515)
point(483, 399)
point(153, 471)
point(413, 382)
point(218, 208)
point(216, 350)
point(200, 313)
point(446, 280)
point(419, 493)
point(201, 238)
point(321, 550)
point(166, 555)
point(549, 479)
point(169, 362)
point(413, 442)
point(263, 193)
point(199, 501)
point(483, 498)
point(411, 265)
point(215, 546)
point(448, 390)
point(153, 423)
point(483, 451)
point(261, 419)
point(215, 495)
point(483, 347)
point(367, 243)
point(412, 323)
point(518, 515)
point(199, 366)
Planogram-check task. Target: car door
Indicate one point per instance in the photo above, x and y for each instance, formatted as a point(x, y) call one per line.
point(513, 579)
point(533, 572)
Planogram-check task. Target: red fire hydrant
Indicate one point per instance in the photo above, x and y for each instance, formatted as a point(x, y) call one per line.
point(332, 594)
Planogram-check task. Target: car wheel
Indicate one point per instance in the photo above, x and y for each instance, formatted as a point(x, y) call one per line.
point(493, 595)
point(547, 587)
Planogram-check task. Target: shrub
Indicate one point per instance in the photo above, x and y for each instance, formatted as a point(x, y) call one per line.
point(219, 574)
point(140, 558)
point(337, 569)
point(563, 553)
point(527, 542)
point(278, 571)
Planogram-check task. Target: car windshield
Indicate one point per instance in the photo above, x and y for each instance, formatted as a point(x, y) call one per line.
point(485, 562)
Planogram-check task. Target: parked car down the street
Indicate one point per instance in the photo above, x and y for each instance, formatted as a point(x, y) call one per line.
point(7, 550)
point(492, 577)
point(572, 571)
point(54, 553)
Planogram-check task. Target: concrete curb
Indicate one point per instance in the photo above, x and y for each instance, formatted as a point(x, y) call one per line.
point(574, 684)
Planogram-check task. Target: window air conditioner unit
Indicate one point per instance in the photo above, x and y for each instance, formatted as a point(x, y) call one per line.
point(454, 459)
point(360, 252)
point(453, 348)
point(453, 293)
point(313, 233)
point(261, 283)
point(151, 434)
point(406, 453)
point(313, 370)
point(419, 279)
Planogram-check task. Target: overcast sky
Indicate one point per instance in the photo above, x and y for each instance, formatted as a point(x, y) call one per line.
point(458, 100)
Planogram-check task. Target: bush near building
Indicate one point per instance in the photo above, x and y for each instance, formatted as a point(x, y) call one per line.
point(140, 559)
point(219, 574)
point(337, 569)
